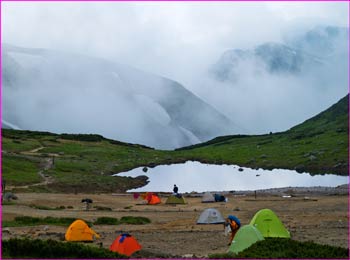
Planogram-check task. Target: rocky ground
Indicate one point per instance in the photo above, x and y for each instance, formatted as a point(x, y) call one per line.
point(316, 214)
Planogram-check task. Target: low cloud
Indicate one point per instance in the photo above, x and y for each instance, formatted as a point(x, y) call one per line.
point(180, 40)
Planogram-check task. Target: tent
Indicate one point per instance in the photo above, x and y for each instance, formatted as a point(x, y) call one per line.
point(80, 231)
point(246, 236)
point(267, 222)
point(219, 198)
point(208, 197)
point(125, 244)
point(210, 216)
point(153, 199)
point(175, 200)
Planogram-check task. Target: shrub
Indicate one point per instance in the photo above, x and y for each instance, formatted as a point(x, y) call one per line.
point(103, 208)
point(134, 220)
point(83, 137)
point(287, 248)
point(26, 248)
point(41, 207)
point(33, 221)
point(27, 220)
point(106, 221)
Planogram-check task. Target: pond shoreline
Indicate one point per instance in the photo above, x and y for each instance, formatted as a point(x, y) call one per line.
point(296, 191)
point(283, 191)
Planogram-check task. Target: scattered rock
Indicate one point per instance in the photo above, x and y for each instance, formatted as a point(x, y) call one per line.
point(299, 168)
point(312, 157)
point(144, 169)
point(6, 230)
point(152, 165)
point(46, 228)
point(338, 165)
point(240, 169)
point(9, 195)
point(307, 155)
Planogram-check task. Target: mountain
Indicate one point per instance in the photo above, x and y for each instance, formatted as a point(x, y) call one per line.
point(306, 53)
point(274, 58)
point(63, 92)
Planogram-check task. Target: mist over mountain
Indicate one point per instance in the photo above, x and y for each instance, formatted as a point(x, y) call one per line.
point(322, 41)
point(274, 85)
point(68, 93)
point(275, 58)
point(300, 54)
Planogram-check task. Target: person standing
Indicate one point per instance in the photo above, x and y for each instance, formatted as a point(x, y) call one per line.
point(175, 189)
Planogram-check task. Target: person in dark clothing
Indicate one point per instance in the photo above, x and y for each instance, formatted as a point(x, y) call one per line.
point(176, 189)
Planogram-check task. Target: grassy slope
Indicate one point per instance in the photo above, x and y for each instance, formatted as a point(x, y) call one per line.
point(85, 162)
point(319, 145)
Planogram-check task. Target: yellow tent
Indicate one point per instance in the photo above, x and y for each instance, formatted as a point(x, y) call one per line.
point(80, 231)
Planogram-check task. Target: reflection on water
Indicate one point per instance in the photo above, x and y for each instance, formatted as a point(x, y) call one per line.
point(195, 176)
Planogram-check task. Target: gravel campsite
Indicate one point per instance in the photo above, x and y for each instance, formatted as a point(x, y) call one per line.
point(310, 214)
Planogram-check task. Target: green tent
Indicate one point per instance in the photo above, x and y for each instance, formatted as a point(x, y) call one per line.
point(246, 236)
point(267, 222)
point(175, 200)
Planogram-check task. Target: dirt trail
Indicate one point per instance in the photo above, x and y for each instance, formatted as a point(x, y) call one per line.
point(173, 229)
point(46, 164)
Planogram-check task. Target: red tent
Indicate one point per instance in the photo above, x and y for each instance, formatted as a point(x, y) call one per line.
point(125, 244)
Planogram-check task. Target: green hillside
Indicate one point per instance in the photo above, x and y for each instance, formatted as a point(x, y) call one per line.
point(319, 145)
point(72, 163)
point(42, 161)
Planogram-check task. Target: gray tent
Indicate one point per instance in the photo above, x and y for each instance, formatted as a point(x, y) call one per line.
point(210, 216)
point(208, 197)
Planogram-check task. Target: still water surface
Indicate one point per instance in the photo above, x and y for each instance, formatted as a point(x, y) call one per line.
point(198, 177)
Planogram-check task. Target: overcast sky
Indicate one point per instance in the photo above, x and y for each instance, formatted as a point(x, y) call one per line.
point(160, 37)
point(180, 40)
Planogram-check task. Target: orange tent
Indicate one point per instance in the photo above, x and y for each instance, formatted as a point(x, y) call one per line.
point(153, 199)
point(80, 231)
point(125, 244)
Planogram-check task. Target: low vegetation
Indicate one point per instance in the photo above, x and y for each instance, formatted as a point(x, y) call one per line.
point(26, 248)
point(268, 248)
point(134, 220)
point(42, 207)
point(34, 221)
point(106, 221)
point(287, 248)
